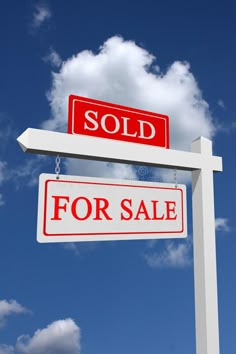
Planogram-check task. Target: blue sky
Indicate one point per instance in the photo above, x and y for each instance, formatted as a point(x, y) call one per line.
point(125, 297)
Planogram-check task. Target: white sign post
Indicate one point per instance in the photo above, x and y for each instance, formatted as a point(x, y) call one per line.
point(205, 276)
point(202, 164)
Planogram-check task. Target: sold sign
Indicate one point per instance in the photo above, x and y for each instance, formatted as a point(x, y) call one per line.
point(112, 121)
point(76, 208)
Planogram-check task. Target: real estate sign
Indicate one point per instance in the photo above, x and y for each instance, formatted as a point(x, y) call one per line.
point(75, 208)
point(111, 121)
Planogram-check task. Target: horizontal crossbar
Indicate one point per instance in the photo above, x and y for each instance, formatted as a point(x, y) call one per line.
point(87, 147)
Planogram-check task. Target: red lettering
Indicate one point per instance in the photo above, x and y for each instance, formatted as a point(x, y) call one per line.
point(127, 209)
point(153, 131)
point(57, 205)
point(142, 210)
point(125, 132)
point(104, 124)
point(170, 210)
point(155, 214)
point(88, 207)
point(91, 120)
point(101, 209)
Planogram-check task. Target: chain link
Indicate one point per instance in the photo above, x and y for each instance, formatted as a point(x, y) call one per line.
point(57, 168)
point(175, 178)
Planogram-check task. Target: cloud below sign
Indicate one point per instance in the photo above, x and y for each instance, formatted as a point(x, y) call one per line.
point(59, 337)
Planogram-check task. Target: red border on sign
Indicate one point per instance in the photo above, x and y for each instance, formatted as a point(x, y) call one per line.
point(108, 233)
point(74, 98)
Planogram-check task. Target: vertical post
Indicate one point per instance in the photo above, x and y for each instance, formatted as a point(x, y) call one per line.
point(205, 275)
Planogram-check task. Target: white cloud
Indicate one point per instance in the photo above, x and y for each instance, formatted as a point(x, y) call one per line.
point(174, 255)
point(6, 349)
point(41, 14)
point(60, 337)
point(122, 72)
point(7, 132)
point(78, 248)
point(31, 170)
point(168, 176)
point(222, 224)
point(53, 58)
point(151, 243)
point(221, 103)
point(99, 169)
point(3, 171)
point(8, 308)
point(2, 202)
point(71, 246)
point(27, 172)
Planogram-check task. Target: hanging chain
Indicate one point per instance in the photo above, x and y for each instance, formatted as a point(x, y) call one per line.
point(175, 178)
point(57, 168)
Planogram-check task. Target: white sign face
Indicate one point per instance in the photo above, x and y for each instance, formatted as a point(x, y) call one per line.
point(75, 208)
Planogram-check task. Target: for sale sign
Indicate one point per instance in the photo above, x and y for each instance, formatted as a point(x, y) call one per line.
point(76, 208)
point(111, 121)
